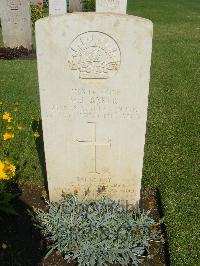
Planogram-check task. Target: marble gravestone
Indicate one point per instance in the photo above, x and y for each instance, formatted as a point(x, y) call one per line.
point(114, 6)
point(57, 7)
point(16, 23)
point(94, 83)
point(74, 6)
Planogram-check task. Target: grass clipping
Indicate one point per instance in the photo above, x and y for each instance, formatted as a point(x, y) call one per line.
point(96, 232)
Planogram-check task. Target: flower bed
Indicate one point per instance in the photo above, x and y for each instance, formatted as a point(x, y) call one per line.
point(24, 244)
point(14, 53)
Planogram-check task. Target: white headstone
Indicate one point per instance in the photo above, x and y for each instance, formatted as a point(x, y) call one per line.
point(114, 6)
point(94, 83)
point(57, 7)
point(16, 23)
point(74, 6)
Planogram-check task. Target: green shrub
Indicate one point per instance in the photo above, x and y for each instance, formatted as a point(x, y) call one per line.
point(88, 5)
point(96, 232)
point(36, 13)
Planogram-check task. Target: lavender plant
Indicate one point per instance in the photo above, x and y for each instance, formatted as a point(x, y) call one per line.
point(96, 232)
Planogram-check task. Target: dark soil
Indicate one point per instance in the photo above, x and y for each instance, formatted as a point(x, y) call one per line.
point(14, 53)
point(25, 246)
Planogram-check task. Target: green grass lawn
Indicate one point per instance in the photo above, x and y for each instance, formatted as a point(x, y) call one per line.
point(19, 84)
point(172, 145)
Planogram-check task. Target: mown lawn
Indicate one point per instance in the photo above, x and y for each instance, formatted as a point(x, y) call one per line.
point(19, 85)
point(172, 145)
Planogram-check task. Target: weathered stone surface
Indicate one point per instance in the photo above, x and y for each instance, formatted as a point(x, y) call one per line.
point(74, 6)
point(16, 23)
point(114, 6)
point(57, 7)
point(94, 84)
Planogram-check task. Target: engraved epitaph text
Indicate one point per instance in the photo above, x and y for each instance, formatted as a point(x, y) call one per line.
point(13, 5)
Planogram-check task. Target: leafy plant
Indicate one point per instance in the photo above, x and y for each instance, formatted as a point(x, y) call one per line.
point(36, 13)
point(46, 3)
point(96, 232)
point(88, 5)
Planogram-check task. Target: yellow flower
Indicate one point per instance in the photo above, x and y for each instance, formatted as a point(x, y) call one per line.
point(4, 245)
point(36, 134)
point(8, 136)
point(7, 116)
point(1, 103)
point(2, 173)
point(9, 127)
point(7, 170)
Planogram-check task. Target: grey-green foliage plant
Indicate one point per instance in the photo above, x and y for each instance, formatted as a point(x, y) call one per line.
point(96, 232)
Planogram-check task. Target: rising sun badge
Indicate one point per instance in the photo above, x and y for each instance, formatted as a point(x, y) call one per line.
point(94, 55)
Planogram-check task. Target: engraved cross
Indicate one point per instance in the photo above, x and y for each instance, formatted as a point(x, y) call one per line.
point(94, 144)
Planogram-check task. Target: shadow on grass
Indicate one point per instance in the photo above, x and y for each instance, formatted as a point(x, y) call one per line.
point(24, 245)
point(37, 126)
point(161, 212)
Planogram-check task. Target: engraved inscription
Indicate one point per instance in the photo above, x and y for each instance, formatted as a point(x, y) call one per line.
point(94, 186)
point(93, 104)
point(94, 55)
point(13, 5)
